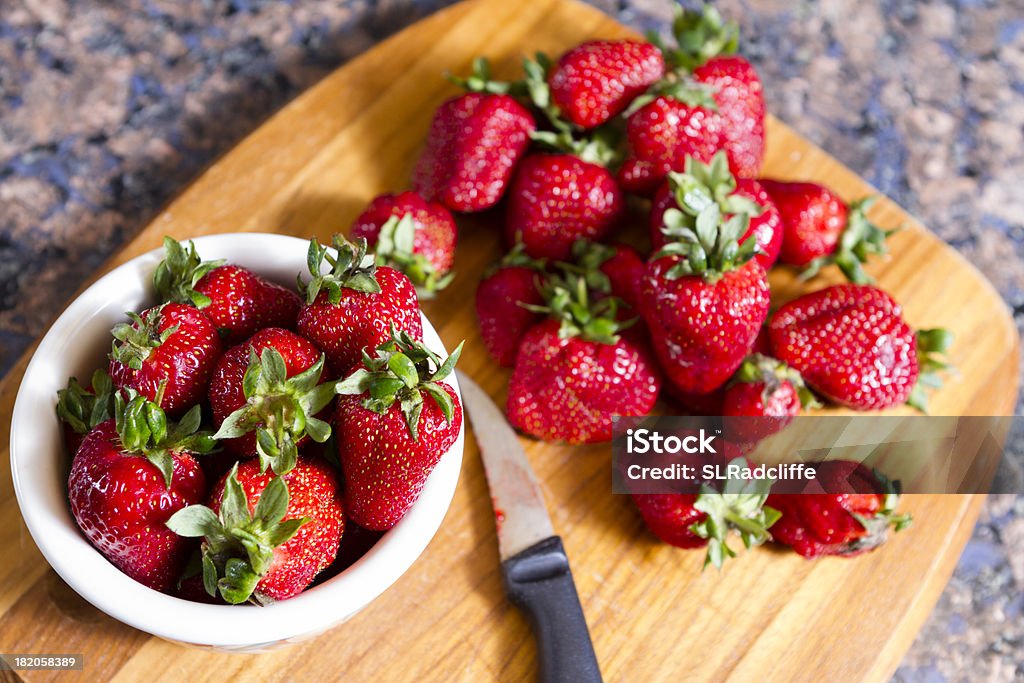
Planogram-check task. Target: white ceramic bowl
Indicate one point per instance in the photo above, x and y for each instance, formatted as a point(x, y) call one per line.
point(75, 344)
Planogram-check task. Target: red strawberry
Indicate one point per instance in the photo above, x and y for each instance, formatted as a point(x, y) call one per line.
point(395, 419)
point(129, 476)
point(353, 306)
point(705, 299)
point(850, 516)
point(574, 371)
point(762, 397)
point(265, 395)
point(474, 144)
point(705, 46)
point(82, 408)
point(819, 228)
point(688, 520)
point(615, 269)
point(415, 236)
point(664, 133)
point(556, 199)
point(734, 195)
point(166, 354)
point(266, 537)
point(502, 300)
point(598, 79)
point(851, 345)
point(237, 301)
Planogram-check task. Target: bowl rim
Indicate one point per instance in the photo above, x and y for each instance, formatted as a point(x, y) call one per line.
point(92, 576)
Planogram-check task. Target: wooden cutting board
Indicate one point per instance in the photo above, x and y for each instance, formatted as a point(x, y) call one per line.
point(653, 615)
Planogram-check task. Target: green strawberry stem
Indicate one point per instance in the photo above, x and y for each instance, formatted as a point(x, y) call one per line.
point(83, 409)
point(395, 248)
point(701, 183)
point(349, 267)
point(711, 247)
point(176, 276)
point(932, 345)
point(403, 370)
point(238, 546)
point(699, 36)
point(587, 259)
point(740, 505)
point(516, 257)
point(758, 368)
point(568, 300)
point(280, 409)
point(678, 86)
point(133, 343)
point(860, 240)
point(878, 525)
point(480, 79)
point(143, 428)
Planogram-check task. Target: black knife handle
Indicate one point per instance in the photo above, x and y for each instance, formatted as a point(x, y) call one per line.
point(538, 580)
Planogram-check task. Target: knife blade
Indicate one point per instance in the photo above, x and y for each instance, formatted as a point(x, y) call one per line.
point(533, 561)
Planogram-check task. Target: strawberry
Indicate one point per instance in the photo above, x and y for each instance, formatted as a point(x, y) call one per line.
point(705, 47)
point(598, 79)
point(266, 537)
point(415, 236)
point(354, 304)
point(237, 301)
point(503, 300)
point(852, 346)
point(851, 515)
point(473, 146)
point(129, 476)
point(819, 228)
point(701, 182)
point(688, 520)
point(556, 199)
point(615, 269)
point(762, 397)
point(574, 371)
point(395, 419)
point(663, 132)
point(82, 408)
point(166, 354)
point(705, 298)
point(265, 395)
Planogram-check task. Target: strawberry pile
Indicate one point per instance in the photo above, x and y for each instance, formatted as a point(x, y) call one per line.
point(563, 158)
point(242, 432)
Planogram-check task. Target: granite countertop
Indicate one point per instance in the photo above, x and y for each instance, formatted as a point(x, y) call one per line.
point(108, 109)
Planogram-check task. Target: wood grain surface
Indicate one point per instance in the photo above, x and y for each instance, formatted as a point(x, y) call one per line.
point(653, 615)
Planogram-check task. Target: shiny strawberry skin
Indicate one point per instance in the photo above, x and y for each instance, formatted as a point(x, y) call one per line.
point(385, 469)
point(739, 95)
point(313, 493)
point(185, 360)
point(226, 393)
point(850, 343)
point(435, 228)
point(700, 331)
point(766, 228)
point(816, 524)
point(503, 320)
point(661, 135)
point(361, 319)
point(813, 219)
point(598, 79)
point(568, 389)
point(473, 146)
point(669, 516)
point(121, 504)
point(758, 416)
point(242, 302)
point(625, 272)
point(556, 199)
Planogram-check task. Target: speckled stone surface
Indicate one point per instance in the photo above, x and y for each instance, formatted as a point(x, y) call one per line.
point(108, 109)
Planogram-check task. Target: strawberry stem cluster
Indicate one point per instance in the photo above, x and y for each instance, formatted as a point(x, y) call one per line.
point(177, 275)
point(280, 409)
point(349, 267)
point(135, 341)
point(860, 240)
point(760, 369)
point(83, 409)
point(395, 247)
point(238, 545)
point(932, 344)
point(403, 370)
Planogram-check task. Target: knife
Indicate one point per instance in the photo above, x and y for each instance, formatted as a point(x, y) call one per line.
point(533, 561)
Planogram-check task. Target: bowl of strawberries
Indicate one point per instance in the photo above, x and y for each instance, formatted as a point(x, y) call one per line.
point(248, 464)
